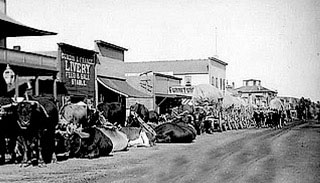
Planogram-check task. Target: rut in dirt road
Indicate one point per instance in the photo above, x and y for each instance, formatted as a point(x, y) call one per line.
point(247, 159)
point(252, 155)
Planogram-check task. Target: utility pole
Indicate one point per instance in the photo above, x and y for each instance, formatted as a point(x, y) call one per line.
point(216, 42)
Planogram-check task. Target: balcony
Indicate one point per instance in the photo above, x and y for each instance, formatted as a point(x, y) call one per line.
point(27, 62)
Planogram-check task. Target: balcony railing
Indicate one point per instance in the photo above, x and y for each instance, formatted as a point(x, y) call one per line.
point(27, 59)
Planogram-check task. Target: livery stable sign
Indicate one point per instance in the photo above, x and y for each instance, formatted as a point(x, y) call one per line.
point(77, 69)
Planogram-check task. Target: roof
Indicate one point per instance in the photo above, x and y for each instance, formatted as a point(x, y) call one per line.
point(48, 53)
point(121, 87)
point(254, 89)
point(110, 45)
point(76, 49)
point(218, 60)
point(251, 80)
point(162, 75)
point(177, 66)
point(167, 76)
point(13, 28)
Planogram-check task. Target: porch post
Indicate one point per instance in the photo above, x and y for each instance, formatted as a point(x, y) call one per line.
point(55, 95)
point(37, 85)
point(16, 89)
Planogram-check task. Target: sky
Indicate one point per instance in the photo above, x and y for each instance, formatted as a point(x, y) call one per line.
point(276, 41)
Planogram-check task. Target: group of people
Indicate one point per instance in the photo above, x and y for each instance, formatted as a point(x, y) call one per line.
point(271, 118)
point(209, 118)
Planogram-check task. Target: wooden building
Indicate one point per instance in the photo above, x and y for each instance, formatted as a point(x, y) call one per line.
point(22, 64)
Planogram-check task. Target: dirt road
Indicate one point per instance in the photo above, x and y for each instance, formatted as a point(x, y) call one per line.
point(291, 154)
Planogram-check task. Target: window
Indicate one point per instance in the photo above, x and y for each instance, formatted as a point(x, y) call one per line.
point(187, 80)
point(224, 84)
point(217, 82)
point(212, 81)
point(220, 83)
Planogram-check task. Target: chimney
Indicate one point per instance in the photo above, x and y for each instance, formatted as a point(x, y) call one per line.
point(18, 48)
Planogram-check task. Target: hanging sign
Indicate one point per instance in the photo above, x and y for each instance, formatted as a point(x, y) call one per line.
point(9, 75)
point(77, 69)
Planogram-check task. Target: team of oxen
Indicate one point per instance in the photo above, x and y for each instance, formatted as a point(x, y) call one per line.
point(34, 131)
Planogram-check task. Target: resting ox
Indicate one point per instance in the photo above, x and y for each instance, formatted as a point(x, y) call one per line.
point(138, 137)
point(37, 120)
point(96, 139)
point(175, 133)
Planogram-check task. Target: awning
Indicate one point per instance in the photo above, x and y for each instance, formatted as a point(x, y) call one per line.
point(186, 101)
point(13, 28)
point(121, 87)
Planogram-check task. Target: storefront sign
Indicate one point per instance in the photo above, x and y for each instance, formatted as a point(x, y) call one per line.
point(146, 82)
point(77, 69)
point(181, 90)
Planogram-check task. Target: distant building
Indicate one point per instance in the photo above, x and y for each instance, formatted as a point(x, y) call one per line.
point(232, 90)
point(253, 93)
point(192, 72)
point(160, 87)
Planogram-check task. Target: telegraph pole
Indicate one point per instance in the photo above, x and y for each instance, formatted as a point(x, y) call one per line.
point(216, 42)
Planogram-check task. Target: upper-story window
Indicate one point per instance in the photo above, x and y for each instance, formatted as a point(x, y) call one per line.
point(224, 84)
point(217, 82)
point(212, 81)
point(187, 80)
point(220, 83)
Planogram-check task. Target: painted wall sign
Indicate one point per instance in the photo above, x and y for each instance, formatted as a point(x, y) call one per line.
point(146, 82)
point(77, 69)
point(181, 90)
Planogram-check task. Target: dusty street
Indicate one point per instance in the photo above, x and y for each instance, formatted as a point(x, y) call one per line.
point(252, 155)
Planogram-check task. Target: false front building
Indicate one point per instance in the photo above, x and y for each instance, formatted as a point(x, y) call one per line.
point(18, 65)
point(175, 80)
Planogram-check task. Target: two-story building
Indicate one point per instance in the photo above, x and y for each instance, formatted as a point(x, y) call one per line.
point(255, 94)
point(17, 65)
point(160, 87)
point(191, 72)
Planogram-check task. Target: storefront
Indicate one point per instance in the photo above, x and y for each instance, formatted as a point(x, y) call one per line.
point(77, 72)
point(158, 86)
point(19, 66)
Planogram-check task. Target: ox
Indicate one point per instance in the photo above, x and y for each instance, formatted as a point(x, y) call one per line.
point(175, 133)
point(8, 128)
point(98, 139)
point(94, 146)
point(138, 137)
point(76, 145)
point(37, 120)
point(112, 112)
point(76, 113)
point(141, 112)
